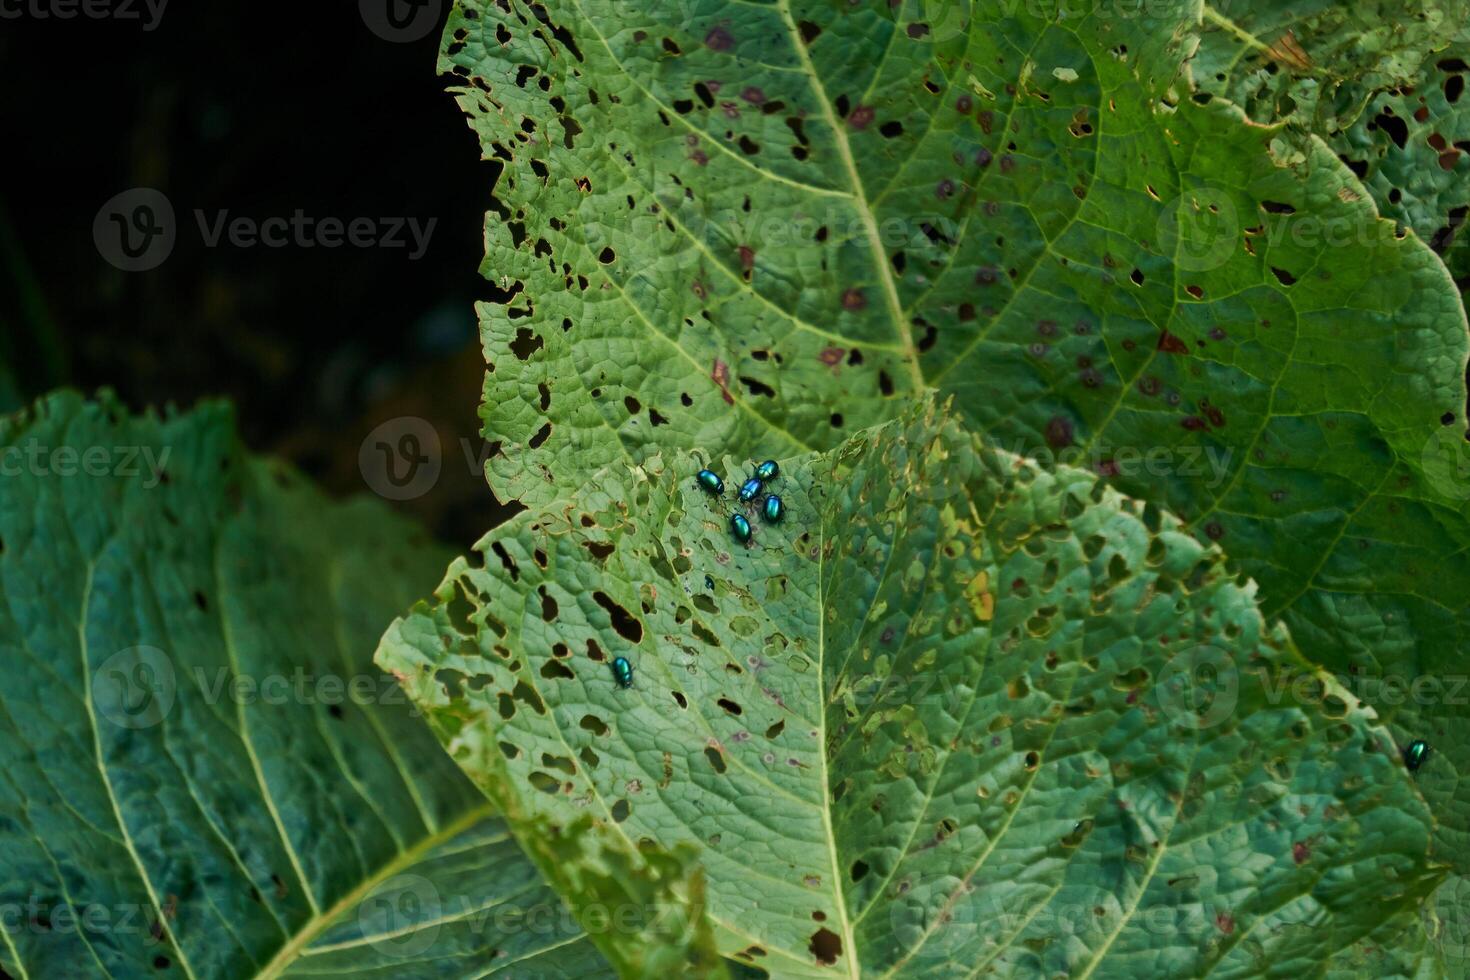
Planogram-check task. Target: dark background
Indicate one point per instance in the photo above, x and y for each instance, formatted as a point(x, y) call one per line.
point(260, 109)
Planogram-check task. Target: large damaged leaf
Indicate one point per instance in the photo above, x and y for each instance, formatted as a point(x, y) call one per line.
point(755, 228)
point(204, 775)
point(1382, 83)
point(955, 713)
point(1320, 60)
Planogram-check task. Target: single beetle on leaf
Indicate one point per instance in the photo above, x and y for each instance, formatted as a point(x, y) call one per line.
point(750, 489)
point(767, 471)
point(740, 527)
point(622, 672)
point(1416, 753)
point(774, 509)
point(710, 481)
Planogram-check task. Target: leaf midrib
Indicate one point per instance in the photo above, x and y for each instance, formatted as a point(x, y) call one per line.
point(860, 200)
point(314, 926)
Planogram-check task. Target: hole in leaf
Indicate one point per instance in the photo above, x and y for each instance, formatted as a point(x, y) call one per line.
point(826, 946)
point(628, 627)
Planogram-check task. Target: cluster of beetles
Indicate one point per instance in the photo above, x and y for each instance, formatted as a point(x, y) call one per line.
point(771, 508)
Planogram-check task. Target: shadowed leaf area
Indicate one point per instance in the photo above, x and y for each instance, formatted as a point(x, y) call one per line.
point(204, 775)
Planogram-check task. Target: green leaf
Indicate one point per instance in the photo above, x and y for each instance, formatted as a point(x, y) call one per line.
point(956, 712)
point(1320, 60)
point(1210, 312)
point(1381, 82)
point(204, 774)
point(1399, 948)
point(1448, 917)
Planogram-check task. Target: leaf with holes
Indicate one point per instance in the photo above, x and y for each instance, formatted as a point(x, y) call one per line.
point(1381, 83)
point(753, 228)
point(956, 712)
point(204, 773)
point(1320, 60)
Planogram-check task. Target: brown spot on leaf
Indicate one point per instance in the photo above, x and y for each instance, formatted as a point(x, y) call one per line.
point(1225, 922)
point(1059, 432)
point(754, 95)
point(826, 946)
point(832, 357)
point(861, 117)
point(854, 300)
point(1170, 344)
point(719, 39)
point(720, 375)
point(1300, 852)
